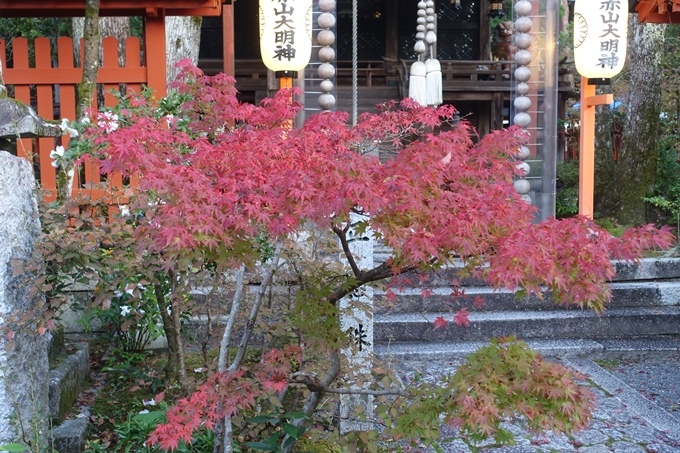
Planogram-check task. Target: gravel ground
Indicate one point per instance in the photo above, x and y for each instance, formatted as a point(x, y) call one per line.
point(656, 378)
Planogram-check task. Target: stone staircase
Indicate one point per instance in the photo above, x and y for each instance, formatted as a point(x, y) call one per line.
point(645, 303)
point(69, 375)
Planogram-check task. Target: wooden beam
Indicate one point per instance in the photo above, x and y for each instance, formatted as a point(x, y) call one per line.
point(52, 76)
point(645, 7)
point(497, 111)
point(154, 53)
point(76, 8)
point(392, 31)
point(484, 28)
point(228, 55)
point(600, 99)
point(109, 4)
point(668, 18)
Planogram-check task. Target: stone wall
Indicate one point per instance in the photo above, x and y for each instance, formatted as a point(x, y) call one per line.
point(23, 362)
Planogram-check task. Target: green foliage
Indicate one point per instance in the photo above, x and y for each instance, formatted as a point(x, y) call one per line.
point(280, 431)
point(666, 195)
point(126, 367)
point(306, 444)
point(31, 28)
point(566, 39)
point(501, 381)
point(13, 448)
point(566, 202)
point(507, 379)
point(611, 226)
point(132, 434)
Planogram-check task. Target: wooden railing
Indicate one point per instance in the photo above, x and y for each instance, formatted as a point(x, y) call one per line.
point(50, 87)
point(472, 75)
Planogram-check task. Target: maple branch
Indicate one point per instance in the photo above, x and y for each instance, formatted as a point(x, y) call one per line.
point(235, 306)
point(385, 270)
point(247, 331)
point(342, 234)
point(224, 431)
point(314, 397)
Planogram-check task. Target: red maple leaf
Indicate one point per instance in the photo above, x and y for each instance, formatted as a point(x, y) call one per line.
point(478, 302)
point(461, 317)
point(278, 382)
point(440, 322)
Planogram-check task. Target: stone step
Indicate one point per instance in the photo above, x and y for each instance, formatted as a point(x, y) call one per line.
point(644, 321)
point(648, 269)
point(67, 380)
point(624, 294)
point(418, 354)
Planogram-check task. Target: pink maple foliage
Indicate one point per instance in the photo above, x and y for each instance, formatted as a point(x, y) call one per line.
point(223, 172)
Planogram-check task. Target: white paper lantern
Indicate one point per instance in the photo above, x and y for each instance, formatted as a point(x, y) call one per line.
point(286, 35)
point(600, 34)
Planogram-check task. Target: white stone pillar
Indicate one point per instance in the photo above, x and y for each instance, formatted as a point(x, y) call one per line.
point(357, 318)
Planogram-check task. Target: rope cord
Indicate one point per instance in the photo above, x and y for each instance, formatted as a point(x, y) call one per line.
point(355, 70)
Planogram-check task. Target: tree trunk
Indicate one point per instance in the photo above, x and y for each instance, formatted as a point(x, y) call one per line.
point(175, 352)
point(606, 179)
point(182, 40)
point(118, 27)
point(637, 159)
point(91, 60)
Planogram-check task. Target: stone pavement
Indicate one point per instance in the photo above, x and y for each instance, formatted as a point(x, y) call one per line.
point(624, 420)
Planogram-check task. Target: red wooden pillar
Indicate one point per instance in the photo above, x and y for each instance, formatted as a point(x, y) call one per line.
point(586, 175)
point(228, 60)
point(154, 50)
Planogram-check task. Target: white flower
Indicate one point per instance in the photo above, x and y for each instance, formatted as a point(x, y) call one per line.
point(59, 152)
point(66, 127)
point(169, 119)
point(85, 120)
point(198, 370)
point(108, 121)
point(151, 402)
point(145, 411)
point(57, 155)
point(125, 310)
point(124, 210)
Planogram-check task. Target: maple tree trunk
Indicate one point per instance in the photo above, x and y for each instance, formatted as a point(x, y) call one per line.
point(223, 431)
point(636, 175)
point(85, 89)
point(118, 27)
point(182, 40)
point(174, 369)
point(91, 61)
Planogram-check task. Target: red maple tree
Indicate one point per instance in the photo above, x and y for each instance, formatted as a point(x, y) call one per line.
point(219, 173)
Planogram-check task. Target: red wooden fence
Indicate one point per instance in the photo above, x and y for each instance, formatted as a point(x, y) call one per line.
point(64, 76)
